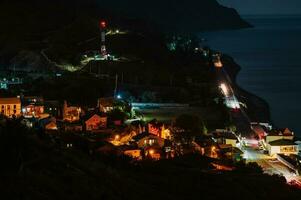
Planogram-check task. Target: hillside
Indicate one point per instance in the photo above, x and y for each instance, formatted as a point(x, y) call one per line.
point(28, 27)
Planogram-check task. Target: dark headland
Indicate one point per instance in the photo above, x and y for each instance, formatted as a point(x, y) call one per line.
point(48, 18)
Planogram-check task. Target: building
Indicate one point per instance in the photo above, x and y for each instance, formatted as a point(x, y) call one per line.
point(230, 152)
point(216, 59)
point(5, 83)
point(110, 103)
point(133, 153)
point(151, 145)
point(49, 123)
point(204, 145)
point(33, 106)
point(159, 129)
point(10, 107)
point(298, 142)
point(145, 140)
point(279, 134)
point(226, 138)
point(71, 113)
point(106, 104)
point(154, 153)
point(53, 108)
point(33, 110)
point(95, 122)
point(282, 146)
point(51, 126)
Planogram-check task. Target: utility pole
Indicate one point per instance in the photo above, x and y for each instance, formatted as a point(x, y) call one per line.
point(116, 86)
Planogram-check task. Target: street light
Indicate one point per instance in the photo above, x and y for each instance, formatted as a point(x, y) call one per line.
point(224, 89)
point(117, 137)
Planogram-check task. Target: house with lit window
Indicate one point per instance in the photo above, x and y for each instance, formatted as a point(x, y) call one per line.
point(53, 108)
point(282, 146)
point(32, 110)
point(145, 140)
point(133, 153)
point(281, 141)
point(225, 138)
point(33, 107)
point(159, 129)
point(95, 122)
point(110, 103)
point(71, 113)
point(106, 104)
point(10, 107)
point(279, 134)
point(151, 145)
point(51, 126)
point(48, 124)
point(229, 152)
point(204, 145)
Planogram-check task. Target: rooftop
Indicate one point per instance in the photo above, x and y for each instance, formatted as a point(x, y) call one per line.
point(281, 132)
point(13, 100)
point(282, 142)
point(140, 136)
point(107, 102)
point(226, 135)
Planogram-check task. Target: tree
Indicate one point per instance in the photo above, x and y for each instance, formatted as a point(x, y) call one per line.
point(117, 114)
point(204, 129)
point(191, 124)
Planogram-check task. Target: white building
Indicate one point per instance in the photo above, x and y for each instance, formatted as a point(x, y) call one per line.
point(282, 146)
point(10, 107)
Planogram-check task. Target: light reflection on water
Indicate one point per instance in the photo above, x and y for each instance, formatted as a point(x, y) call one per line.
point(270, 57)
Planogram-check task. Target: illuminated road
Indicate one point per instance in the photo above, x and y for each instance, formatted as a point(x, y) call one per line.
point(238, 115)
point(270, 165)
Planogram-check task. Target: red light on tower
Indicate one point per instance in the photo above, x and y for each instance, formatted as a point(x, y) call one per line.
point(103, 24)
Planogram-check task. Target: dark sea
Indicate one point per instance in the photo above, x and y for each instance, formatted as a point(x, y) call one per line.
point(270, 57)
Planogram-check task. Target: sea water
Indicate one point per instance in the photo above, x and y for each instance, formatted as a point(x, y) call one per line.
point(270, 57)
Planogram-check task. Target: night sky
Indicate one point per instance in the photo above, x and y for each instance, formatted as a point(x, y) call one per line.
point(264, 6)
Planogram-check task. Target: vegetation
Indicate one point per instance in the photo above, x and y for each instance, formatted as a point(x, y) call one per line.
point(190, 123)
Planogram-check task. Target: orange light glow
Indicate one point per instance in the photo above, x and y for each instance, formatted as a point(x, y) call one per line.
point(151, 152)
point(117, 137)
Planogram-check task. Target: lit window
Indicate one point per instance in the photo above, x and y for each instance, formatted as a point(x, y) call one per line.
point(151, 141)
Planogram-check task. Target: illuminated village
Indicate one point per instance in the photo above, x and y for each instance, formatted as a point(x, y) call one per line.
point(115, 126)
point(139, 109)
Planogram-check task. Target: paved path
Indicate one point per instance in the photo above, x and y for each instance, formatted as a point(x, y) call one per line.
point(271, 165)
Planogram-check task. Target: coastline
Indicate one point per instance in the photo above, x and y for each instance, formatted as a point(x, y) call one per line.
point(257, 109)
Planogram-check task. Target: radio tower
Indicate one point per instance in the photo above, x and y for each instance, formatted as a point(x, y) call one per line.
point(103, 50)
